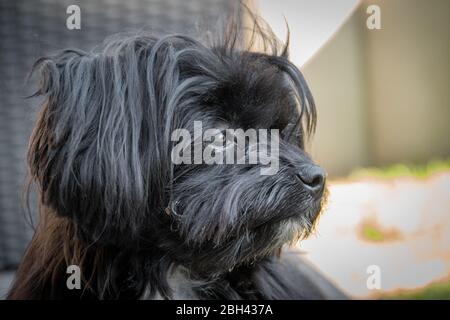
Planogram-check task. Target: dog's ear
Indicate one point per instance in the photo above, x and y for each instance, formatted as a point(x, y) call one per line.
point(260, 43)
point(95, 151)
point(300, 90)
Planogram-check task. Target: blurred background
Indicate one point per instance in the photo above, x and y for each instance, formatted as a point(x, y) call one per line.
point(383, 123)
point(383, 135)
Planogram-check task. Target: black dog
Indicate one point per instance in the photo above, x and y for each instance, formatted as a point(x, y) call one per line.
point(139, 226)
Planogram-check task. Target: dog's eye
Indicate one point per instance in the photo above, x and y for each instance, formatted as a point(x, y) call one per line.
point(223, 140)
point(287, 131)
point(292, 133)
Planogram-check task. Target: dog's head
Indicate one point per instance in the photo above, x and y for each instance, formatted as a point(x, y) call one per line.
point(102, 149)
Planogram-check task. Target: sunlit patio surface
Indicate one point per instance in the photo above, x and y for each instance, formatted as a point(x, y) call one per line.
point(400, 224)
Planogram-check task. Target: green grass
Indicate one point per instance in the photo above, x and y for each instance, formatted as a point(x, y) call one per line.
point(403, 170)
point(434, 291)
point(372, 233)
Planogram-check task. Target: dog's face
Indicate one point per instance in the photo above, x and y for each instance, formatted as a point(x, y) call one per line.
point(227, 214)
point(101, 150)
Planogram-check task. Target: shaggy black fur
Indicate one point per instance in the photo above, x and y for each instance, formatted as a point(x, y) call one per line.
point(112, 201)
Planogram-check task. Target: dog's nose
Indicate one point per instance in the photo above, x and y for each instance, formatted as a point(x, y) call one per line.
point(313, 178)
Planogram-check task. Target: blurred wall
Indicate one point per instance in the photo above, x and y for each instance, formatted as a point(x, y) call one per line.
point(408, 65)
point(383, 95)
point(337, 76)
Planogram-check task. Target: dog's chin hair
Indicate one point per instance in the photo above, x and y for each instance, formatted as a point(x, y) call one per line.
point(289, 233)
point(292, 230)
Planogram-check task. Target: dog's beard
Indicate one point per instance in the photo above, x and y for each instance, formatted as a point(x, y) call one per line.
point(238, 217)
